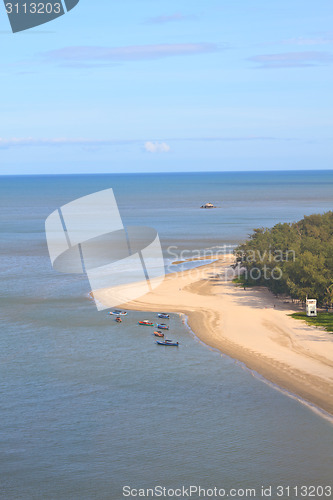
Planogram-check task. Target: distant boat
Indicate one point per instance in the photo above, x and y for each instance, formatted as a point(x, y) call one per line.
point(208, 205)
point(118, 320)
point(145, 322)
point(167, 342)
point(162, 326)
point(158, 334)
point(163, 315)
point(118, 313)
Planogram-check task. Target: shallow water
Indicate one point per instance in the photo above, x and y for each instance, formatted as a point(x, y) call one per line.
point(89, 406)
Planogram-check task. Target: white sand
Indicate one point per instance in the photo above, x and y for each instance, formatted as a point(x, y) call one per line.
point(246, 326)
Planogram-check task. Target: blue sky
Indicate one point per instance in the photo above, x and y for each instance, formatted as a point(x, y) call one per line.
point(151, 85)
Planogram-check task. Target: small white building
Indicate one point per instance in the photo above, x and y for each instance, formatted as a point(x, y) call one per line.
point(311, 307)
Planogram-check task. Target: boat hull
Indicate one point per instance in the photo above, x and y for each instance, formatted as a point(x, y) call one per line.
point(169, 344)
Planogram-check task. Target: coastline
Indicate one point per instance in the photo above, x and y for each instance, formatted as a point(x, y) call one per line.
point(251, 326)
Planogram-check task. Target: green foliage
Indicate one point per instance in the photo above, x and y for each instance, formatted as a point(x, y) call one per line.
point(241, 281)
point(294, 259)
point(323, 319)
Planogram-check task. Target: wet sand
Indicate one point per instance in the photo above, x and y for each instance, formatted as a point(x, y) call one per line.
point(249, 325)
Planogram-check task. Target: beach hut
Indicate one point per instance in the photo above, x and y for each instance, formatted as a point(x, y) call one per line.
point(311, 307)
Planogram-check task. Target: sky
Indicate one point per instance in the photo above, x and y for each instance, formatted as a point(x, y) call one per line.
point(155, 85)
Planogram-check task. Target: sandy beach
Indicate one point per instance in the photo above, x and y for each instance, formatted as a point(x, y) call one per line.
point(249, 325)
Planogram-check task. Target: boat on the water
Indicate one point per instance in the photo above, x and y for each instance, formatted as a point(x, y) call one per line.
point(118, 320)
point(167, 342)
point(145, 322)
point(208, 205)
point(118, 313)
point(162, 326)
point(163, 315)
point(158, 334)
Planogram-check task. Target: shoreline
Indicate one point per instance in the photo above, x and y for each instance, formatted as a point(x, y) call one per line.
point(250, 326)
point(314, 408)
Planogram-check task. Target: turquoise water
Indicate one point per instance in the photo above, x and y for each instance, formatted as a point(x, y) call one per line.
point(89, 406)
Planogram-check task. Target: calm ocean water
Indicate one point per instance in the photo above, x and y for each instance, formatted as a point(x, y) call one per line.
point(88, 406)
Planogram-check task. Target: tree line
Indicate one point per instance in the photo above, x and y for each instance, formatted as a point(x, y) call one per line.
point(295, 259)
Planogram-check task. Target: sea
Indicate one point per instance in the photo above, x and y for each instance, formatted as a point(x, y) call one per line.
point(91, 409)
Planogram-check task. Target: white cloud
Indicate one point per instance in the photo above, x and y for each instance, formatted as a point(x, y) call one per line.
point(292, 59)
point(156, 147)
point(320, 40)
point(61, 141)
point(97, 55)
point(149, 146)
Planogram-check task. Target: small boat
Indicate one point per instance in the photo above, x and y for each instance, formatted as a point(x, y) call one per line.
point(167, 342)
point(145, 322)
point(162, 326)
point(163, 315)
point(118, 320)
point(158, 334)
point(118, 313)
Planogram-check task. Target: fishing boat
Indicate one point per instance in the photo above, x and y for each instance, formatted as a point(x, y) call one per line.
point(162, 326)
point(118, 313)
point(163, 315)
point(118, 320)
point(158, 334)
point(145, 322)
point(167, 342)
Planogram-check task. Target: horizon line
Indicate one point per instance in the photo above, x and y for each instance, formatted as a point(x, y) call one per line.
point(168, 172)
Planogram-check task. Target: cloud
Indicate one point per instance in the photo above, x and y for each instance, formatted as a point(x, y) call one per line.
point(29, 141)
point(292, 60)
point(157, 147)
point(14, 142)
point(320, 40)
point(324, 38)
point(95, 55)
point(168, 18)
point(149, 146)
point(245, 138)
